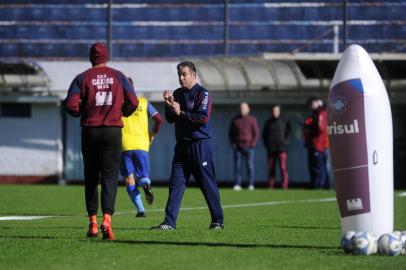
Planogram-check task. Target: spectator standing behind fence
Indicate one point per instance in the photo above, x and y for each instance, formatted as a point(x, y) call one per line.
point(243, 135)
point(329, 184)
point(316, 141)
point(275, 136)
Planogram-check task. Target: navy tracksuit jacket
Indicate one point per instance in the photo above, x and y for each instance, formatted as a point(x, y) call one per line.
point(193, 155)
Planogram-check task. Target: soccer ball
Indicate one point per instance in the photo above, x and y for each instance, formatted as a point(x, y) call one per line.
point(390, 244)
point(402, 236)
point(364, 243)
point(346, 243)
point(403, 240)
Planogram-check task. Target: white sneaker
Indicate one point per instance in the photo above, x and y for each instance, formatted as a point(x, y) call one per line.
point(251, 187)
point(237, 188)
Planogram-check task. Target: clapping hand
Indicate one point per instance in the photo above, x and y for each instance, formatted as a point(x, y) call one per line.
point(168, 98)
point(175, 107)
point(170, 102)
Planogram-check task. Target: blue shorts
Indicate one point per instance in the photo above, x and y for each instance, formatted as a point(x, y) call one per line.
point(136, 162)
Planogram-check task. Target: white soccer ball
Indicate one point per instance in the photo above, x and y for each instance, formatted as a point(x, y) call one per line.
point(402, 236)
point(364, 243)
point(390, 244)
point(346, 242)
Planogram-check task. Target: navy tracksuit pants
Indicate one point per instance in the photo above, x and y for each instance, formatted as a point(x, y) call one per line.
point(318, 168)
point(193, 158)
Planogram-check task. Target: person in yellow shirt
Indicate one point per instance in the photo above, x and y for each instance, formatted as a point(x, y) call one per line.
point(136, 139)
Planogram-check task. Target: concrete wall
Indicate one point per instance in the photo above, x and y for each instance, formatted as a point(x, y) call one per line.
point(161, 151)
point(32, 146)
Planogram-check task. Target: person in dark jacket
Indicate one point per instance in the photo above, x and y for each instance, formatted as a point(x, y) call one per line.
point(275, 136)
point(101, 96)
point(243, 135)
point(316, 142)
point(189, 109)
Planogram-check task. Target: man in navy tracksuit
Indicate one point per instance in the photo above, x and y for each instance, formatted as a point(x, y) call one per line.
point(189, 108)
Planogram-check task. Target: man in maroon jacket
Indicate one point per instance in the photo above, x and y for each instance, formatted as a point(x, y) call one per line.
point(243, 135)
point(316, 141)
point(100, 96)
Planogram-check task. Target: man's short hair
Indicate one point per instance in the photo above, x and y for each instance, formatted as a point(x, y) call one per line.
point(188, 64)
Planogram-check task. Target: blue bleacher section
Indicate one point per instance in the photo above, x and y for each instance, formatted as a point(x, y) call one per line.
point(169, 28)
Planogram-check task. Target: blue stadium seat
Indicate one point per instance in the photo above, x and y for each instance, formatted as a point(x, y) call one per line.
point(278, 32)
point(261, 14)
point(53, 13)
point(29, 50)
point(169, 14)
point(162, 50)
point(61, 2)
point(80, 50)
point(377, 31)
point(168, 32)
point(250, 20)
point(252, 49)
point(8, 50)
point(385, 12)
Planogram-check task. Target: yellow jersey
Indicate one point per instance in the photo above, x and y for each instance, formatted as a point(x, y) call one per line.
point(135, 131)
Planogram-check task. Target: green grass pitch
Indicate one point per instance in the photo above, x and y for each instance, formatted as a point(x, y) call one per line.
point(297, 232)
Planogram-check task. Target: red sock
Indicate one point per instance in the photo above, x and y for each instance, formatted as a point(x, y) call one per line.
point(93, 219)
point(107, 218)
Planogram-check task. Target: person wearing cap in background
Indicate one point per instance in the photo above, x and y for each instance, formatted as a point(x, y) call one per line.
point(101, 96)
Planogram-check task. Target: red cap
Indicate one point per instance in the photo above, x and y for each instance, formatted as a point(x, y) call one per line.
point(98, 53)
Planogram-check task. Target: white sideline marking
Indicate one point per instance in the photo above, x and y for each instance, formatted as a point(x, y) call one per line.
point(402, 194)
point(23, 217)
point(8, 218)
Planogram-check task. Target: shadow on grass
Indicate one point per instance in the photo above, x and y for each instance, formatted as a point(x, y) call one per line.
point(83, 228)
point(45, 228)
point(339, 253)
point(132, 229)
point(325, 249)
point(304, 227)
point(29, 237)
point(231, 245)
point(48, 237)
